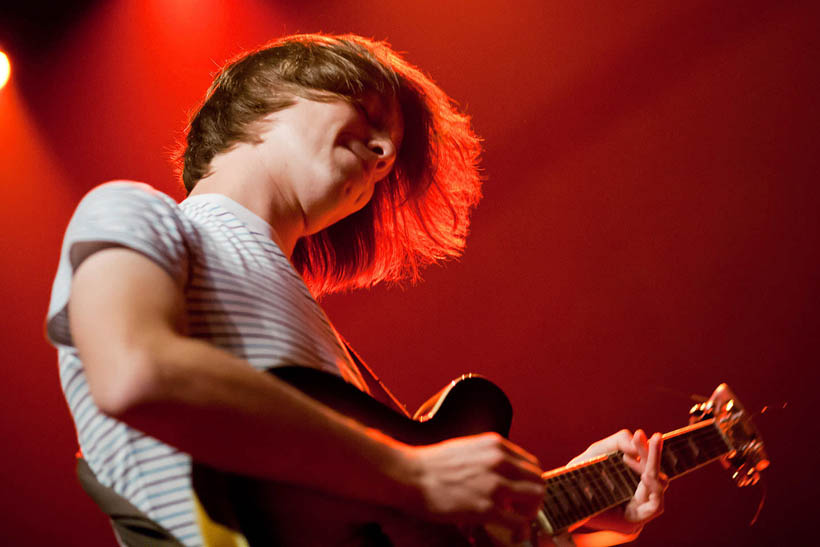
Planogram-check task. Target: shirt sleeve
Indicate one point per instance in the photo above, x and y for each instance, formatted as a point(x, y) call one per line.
point(117, 214)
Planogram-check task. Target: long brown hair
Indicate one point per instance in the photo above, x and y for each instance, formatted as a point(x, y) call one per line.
point(419, 215)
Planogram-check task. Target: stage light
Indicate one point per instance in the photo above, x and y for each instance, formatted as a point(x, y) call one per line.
point(5, 69)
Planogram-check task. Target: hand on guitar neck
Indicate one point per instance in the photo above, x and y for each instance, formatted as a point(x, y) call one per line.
point(616, 525)
point(643, 456)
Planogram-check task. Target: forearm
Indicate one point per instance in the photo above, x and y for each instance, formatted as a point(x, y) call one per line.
point(603, 538)
point(590, 539)
point(214, 406)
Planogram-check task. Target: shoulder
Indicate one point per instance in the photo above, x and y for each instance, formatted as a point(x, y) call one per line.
point(127, 207)
point(133, 215)
point(124, 192)
point(125, 214)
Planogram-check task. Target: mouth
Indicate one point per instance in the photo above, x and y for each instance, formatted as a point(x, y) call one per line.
point(364, 165)
point(365, 193)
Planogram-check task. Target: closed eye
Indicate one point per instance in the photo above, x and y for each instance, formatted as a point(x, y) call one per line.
point(363, 111)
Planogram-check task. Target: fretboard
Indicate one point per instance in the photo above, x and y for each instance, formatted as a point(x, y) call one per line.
point(581, 491)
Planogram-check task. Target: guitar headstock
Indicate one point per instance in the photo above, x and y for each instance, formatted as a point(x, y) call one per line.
point(747, 455)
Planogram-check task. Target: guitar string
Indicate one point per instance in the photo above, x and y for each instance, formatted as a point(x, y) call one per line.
point(710, 445)
point(674, 444)
point(575, 513)
point(564, 510)
point(599, 502)
point(603, 497)
point(623, 472)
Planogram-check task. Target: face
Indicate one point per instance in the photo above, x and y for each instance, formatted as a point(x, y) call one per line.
point(327, 156)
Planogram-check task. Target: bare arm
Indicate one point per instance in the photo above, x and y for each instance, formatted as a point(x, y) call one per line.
point(126, 318)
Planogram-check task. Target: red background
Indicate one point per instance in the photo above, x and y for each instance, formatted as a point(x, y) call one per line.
point(649, 227)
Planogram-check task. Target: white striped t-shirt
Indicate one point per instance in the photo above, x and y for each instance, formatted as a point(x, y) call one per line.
point(241, 294)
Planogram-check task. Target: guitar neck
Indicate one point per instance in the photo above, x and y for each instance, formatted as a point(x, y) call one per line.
point(581, 491)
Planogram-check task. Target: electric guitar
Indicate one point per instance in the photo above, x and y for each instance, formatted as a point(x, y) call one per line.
point(268, 513)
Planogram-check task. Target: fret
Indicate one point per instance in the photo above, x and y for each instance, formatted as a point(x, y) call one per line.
point(582, 491)
point(563, 497)
point(559, 519)
point(602, 498)
point(684, 457)
point(550, 505)
point(608, 482)
point(557, 503)
point(602, 484)
point(590, 489)
point(633, 478)
point(694, 448)
point(578, 498)
point(690, 448)
point(707, 443)
point(688, 445)
point(585, 489)
point(715, 444)
point(573, 496)
point(623, 491)
point(684, 446)
point(629, 478)
point(569, 513)
point(669, 463)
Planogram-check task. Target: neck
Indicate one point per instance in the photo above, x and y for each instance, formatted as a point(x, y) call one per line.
point(237, 180)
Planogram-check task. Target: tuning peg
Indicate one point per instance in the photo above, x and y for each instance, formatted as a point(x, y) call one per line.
point(746, 475)
point(747, 463)
point(702, 411)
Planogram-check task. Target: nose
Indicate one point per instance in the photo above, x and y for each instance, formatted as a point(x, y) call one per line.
point(382, 146)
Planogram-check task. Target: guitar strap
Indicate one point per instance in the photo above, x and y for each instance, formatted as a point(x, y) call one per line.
point(377, 389)
point(131, 526)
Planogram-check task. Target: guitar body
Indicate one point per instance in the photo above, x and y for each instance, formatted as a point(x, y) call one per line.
point(272, 513)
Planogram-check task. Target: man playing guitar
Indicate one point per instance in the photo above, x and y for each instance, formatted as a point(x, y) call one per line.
point(314, 164)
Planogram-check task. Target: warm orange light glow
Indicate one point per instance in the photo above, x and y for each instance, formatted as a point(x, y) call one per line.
point(5, 69)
